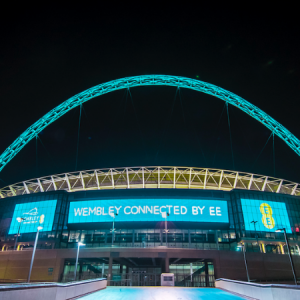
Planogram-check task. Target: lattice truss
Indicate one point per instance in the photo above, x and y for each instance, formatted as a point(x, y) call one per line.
point(146, 80)
point(152, 177)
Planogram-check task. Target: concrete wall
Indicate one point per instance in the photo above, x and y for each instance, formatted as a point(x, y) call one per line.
point(227, 264)
point(51, 291)
point(260, 291)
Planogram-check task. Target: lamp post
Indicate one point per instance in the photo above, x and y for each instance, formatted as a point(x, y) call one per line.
point(289, 253)
point(79, 244)
point(33, 252)
point(113, 215)
point(20, 220)
point(165, 215)
point(254, 223)
point(244, 251)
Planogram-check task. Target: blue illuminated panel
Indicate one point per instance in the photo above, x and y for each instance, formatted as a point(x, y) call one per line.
point(149, 210)
point(268, 214)
point(35, 214)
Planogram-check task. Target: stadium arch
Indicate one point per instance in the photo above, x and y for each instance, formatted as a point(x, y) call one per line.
point(148, 80)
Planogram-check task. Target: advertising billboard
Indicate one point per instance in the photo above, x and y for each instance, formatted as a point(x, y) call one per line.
point(140, 210)
point(269, 215)
point(29, 216)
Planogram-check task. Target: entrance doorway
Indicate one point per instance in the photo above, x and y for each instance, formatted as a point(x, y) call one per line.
point(142, 271)
point(193, 273)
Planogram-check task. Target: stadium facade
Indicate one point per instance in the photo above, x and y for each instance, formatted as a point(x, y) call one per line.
point(209, 215)
point(199, 224)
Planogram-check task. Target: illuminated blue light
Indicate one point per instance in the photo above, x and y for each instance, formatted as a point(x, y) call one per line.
point(268, 214)
point(129, 210)
point(146, 80)
point(35, 214)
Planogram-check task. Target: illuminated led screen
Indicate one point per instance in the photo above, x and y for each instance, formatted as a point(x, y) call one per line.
point(268, 214)
point(35, 214)
point(148, 210)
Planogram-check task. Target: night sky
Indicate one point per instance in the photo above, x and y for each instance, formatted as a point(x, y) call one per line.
point(47, 57)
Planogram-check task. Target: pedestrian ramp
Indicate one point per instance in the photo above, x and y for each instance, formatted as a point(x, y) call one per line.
point(160, 293)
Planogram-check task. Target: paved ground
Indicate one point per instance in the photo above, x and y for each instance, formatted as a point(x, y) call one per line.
point(160, 293)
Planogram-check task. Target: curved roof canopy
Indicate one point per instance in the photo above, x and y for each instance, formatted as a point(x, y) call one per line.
point(152, 177)
point(146, 80)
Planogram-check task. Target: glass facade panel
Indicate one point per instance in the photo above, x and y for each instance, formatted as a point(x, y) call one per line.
point(242, 208)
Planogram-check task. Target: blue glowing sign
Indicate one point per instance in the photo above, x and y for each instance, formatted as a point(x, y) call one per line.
point(148, 210)
point(268, 214)
point(29, 216)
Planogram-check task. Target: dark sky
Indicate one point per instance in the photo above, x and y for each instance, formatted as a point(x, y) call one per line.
point(48, 56)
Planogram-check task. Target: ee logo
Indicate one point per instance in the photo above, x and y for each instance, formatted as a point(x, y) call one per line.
point(267, 218)
point(42, 219)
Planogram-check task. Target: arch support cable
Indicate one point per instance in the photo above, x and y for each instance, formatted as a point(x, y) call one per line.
point(78, 137)
point(230, 136)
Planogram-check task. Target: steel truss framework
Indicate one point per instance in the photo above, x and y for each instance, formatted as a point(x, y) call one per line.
point(152, 177)
point(146, 80)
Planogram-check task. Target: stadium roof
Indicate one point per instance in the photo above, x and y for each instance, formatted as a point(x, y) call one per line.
point(152, 177)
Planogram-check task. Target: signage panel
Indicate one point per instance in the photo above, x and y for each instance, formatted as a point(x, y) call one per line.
point(138, 210)
point(35, 214)
point(269, 215)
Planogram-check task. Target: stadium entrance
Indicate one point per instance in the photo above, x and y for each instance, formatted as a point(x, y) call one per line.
point(142, 271)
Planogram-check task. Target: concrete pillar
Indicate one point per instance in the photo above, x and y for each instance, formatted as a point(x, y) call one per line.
point(167, 269)
point(217, 239)
point(206, 274)
point(102, 271)
point(109, 274)
point(58, 269)
point(133, 238)
point(80, 269)
point(105, 237)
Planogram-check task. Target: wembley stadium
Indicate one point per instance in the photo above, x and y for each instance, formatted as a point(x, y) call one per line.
point(132, 224)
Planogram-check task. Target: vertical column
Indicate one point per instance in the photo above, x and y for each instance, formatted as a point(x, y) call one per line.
point(109, 275)
point(191, 273)
point(206, 275)
point(161, 237)
point(121, 268)
point(189, 238)
point(217, 240)
point(127, 276)
point(167, 270)
point(133, 238)
point(102, 271)
point(80, 270)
